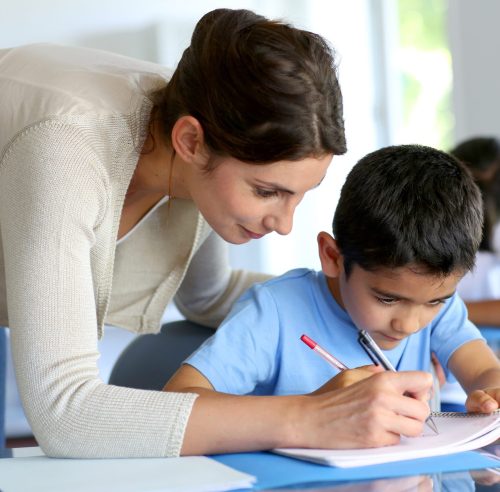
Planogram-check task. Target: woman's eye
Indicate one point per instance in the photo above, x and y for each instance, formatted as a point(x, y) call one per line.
point(387, 300)
point(265, 193)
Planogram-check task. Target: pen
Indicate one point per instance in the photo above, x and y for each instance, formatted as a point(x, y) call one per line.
point(323, 353)
point(378, 357)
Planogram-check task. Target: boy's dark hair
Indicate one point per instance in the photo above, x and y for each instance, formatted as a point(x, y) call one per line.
point(409, 205)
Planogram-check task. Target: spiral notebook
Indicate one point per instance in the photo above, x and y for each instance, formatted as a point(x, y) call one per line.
point(457, 432)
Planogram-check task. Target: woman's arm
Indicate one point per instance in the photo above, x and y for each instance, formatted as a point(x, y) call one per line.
point(52, 200)
point(372, 412)
point(484, 312)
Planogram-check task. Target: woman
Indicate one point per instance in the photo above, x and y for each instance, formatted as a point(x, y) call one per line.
point(91, 143)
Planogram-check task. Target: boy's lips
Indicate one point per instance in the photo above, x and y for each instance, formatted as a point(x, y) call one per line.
point(391, 339)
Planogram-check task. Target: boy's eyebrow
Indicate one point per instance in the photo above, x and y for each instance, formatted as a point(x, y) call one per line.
point(398, 296)
point(278, 187)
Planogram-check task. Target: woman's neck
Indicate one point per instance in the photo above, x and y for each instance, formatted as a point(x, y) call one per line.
point(158, 170)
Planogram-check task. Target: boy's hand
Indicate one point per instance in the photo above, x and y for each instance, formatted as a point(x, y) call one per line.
point(347, 378)
point(483, 401)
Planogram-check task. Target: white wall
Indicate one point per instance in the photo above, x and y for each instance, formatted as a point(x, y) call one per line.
point(475, 46)
point(159, 30)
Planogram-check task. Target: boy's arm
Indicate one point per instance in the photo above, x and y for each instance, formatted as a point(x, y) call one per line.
point(478, 370)
point(185, 379)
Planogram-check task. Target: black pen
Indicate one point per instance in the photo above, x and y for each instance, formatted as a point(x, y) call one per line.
point(378, 357)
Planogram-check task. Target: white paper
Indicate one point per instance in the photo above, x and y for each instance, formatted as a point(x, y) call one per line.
point(457, 432)
point(187, 474)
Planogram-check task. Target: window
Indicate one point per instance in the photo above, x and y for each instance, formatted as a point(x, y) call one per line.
point(425, 68)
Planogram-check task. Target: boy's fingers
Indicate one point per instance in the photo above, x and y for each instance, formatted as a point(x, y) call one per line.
point(490, 402)
point(481, 401)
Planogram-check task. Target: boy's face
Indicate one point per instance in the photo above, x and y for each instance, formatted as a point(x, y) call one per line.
point(390, 304)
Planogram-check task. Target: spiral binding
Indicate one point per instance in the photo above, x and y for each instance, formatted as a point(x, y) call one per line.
point(463, 414)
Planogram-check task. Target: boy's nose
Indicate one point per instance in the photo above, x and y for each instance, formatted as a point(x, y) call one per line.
point(406, 325)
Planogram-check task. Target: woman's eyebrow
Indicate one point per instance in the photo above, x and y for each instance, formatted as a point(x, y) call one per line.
point(279, 187)
point(275, 186)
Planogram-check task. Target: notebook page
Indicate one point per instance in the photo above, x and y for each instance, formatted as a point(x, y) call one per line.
point(457, 432)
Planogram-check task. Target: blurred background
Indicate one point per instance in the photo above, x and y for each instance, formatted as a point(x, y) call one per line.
point(411, 71)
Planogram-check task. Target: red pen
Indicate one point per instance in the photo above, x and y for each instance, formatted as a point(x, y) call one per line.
point(326, 355)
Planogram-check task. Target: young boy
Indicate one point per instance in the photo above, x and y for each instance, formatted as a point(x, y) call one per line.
point(406, 229)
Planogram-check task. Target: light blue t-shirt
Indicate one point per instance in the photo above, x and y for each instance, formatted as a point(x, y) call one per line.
point(257, 349)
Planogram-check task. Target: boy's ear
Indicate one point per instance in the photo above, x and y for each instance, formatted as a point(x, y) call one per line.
point(332, 260)
point(188, 139)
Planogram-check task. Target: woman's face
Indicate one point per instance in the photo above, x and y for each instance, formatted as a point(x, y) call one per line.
point(244, 201)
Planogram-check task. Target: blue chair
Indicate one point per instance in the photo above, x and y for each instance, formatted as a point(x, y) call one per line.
point(149, 361)
point(492, 335)
point(3, 379)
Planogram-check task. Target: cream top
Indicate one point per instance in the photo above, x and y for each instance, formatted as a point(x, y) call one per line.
point(72, 123)
point(150, 212)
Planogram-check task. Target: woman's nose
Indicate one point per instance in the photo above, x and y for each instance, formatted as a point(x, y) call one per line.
point(281, 221)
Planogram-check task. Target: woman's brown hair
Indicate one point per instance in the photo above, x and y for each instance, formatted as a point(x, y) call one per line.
point(262, 90)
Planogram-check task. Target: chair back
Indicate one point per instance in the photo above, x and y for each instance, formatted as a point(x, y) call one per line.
point(149, 361)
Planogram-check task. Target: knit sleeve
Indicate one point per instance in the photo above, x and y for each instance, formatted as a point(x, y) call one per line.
point(52, 199)
point(210, 286)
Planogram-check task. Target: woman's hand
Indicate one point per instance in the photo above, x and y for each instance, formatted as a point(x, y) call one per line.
point(372, 412)
point(347, 378)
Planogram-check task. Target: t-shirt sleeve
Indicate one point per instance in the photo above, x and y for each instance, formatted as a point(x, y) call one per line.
point(241, 356)
point(451, 329)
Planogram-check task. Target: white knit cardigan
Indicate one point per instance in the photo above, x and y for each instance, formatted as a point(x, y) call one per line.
point(72, 123)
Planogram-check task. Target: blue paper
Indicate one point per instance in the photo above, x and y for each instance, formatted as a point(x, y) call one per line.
point(273, 470)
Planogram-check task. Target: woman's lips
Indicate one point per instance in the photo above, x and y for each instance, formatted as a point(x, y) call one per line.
point(252, 235)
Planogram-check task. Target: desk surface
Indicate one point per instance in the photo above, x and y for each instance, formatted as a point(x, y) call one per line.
point(462, 472)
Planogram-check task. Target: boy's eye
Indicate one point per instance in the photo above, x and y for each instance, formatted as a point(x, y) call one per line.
point(436, 303)
point(265, 193)
point(387, 300)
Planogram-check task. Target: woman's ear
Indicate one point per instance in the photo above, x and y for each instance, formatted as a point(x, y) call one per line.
point(331, 259)
point(188, 139)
